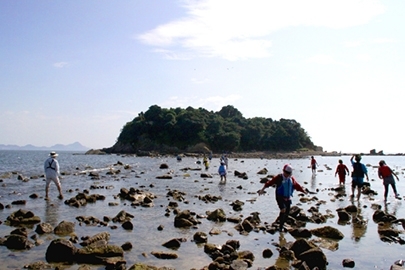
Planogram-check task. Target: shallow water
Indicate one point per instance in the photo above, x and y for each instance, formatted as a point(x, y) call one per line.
point(364, 246)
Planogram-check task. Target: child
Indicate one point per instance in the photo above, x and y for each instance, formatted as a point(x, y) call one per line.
point(222, 171)
point(385, 173)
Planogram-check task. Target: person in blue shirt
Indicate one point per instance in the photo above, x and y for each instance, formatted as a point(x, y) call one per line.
point(222, 170)
point(285, 185)
point(358, 173)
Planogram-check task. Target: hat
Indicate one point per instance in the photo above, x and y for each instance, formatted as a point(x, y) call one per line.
point(287, 168)
point(53, 154)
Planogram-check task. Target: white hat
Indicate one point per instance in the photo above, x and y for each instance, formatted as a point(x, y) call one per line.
point(287, 168)
point(53, 154)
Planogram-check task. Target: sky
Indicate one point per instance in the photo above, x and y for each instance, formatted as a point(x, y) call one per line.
point(78, 71)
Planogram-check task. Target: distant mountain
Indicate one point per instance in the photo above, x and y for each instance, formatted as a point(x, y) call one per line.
point(57, 147)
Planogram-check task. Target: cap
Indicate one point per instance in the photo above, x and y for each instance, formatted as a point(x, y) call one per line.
point(53, 154)
point(287, 168)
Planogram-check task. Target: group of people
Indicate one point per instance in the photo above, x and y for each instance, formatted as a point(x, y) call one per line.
point(285, 183)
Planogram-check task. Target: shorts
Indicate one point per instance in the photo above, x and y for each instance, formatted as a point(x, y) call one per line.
point(357, 182)
point(283, 203)
point(52, 179)
point(389, 180)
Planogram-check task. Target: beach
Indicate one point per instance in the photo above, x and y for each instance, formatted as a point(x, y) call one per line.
point(116, 172)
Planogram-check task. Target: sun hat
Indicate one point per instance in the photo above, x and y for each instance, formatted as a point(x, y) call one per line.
point(287, 168)
point(53, 154)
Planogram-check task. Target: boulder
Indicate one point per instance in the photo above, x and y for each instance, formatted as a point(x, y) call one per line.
point(61, 250)
point(99, 254)
point(43, 228)
point(328, 232)
point(64, 228)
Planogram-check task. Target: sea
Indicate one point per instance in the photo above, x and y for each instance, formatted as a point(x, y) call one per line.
point(363, 245)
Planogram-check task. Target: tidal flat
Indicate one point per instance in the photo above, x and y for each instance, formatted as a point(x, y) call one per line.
point(153, 225)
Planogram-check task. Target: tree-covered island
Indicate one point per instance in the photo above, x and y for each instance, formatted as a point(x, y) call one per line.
point(178, 130)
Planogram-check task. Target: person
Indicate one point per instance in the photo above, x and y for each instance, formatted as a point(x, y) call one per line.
point(222, 170)
point(387, 175)
point(358, 173)
point(285, 185)
point(314, 164)
point(224, 158)
point(341, 170)
point(51, 167)
point(206, 163)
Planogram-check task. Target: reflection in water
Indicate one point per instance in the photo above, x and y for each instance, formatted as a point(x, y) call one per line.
point(51, 213)
point(221, 186)
point(359, 225)
point(283, 259)
point(313, 181)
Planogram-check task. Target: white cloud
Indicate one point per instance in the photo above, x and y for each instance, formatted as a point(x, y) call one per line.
point(352, 44)
point(323, 59)
point(363, 57)
point(383, 40)
point(60, 64)
point(238, 29)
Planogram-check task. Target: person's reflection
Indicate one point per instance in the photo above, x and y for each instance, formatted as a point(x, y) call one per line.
point(221, 186)
point(359, 225)
point(313, 182)
point(285, 255)
point(51, 213)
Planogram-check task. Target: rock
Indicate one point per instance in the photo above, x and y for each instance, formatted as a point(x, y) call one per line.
point(172, 244)
point(22, 217)
point(263, 171)
point(127, 225)
point(184, 219)
point(301, 232)
point(314, 257)
point(267, 253)
point(126, 246)
point(19, 242)
point(237, 205)
point(61, 250)
point(164, 255)
point(239, 265)
point(164, 166)
point(343, 215)
point(328, 232)
point(64, 228)
point(100, 236)
point(44, 228)
point(348, 263)
point(217, 215)
point(102, 254)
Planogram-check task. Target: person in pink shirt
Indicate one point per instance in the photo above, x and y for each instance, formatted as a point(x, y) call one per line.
point(387, 175)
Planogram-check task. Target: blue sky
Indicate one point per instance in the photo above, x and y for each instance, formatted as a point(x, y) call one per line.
point(79, 70)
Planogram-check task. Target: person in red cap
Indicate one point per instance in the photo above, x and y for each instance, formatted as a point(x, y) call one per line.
point(285, 185)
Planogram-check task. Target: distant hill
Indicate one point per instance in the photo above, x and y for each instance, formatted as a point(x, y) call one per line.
point(57, 147)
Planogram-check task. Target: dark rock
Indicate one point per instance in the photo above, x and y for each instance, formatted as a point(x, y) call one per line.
point(328, 232)
point(172, 244)
point(19, 242)
point(164, 255)
point(200, 237)
point(348, 263)
point(100, 236)
point(267, 253)
point(61, 250)
point(314, 258)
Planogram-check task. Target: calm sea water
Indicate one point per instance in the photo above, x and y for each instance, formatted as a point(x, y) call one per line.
point(357, 244)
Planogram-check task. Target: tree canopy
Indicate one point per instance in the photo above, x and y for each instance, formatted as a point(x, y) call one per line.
point(225, 130)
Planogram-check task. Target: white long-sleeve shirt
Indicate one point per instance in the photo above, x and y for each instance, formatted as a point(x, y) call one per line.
point(51, 167)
